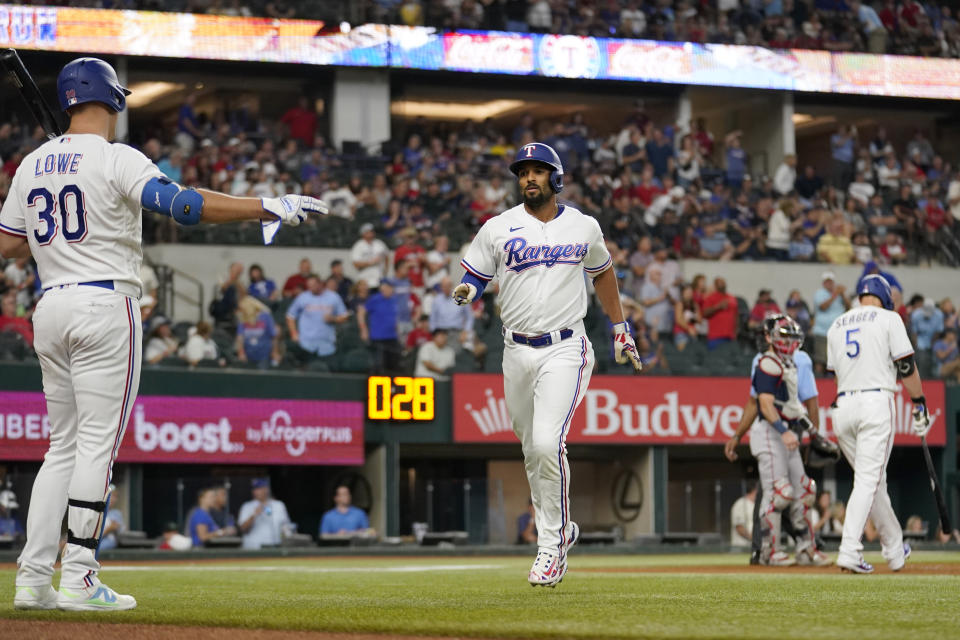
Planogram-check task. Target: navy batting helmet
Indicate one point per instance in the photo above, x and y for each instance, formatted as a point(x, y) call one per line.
point(90, 80)
point(877, 285)
point(543, 153)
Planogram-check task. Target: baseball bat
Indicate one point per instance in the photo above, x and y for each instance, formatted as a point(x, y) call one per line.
point(24, 83)
point(937, 493)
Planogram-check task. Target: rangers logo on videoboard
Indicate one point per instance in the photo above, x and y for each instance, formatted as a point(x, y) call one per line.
point(569, 57)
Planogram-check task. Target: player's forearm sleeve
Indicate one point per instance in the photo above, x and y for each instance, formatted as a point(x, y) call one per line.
point(480, 285)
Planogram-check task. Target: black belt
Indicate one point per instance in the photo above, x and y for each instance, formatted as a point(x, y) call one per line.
point(544, 340)
point(103, 284)
point(850, 393)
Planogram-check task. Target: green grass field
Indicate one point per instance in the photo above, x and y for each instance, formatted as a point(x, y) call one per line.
point(660, 596)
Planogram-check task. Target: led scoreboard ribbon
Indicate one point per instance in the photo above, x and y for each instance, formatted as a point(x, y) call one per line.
point(401, 398)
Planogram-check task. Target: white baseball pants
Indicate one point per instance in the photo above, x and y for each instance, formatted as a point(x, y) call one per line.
point(88, 340)
point(543, 387)
point(863, 422)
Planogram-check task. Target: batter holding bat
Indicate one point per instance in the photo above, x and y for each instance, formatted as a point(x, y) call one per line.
point(75, 205)
point(540, 250)
point(868, 348)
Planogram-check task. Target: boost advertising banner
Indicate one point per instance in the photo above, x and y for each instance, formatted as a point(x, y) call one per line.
point(220, 430)
point(655, 410)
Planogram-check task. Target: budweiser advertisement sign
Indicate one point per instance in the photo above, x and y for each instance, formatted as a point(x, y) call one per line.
point(217, 430)
point(653, 410)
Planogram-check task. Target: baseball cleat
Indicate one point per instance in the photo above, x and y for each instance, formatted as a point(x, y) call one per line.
point(35, 598)
point(811, 557)
point(548, 570)
point(780, 559)
point(574, 538)
point(897, 564)
point(861, 566)
point(99, 597)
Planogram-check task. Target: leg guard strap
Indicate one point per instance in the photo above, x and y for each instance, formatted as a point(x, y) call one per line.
point(89, 543)
point(99, 507)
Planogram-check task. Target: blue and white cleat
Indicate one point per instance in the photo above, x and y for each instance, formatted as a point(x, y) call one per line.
point(35, 598)
point(98, 597)
point(896, 565)
point(861, 566)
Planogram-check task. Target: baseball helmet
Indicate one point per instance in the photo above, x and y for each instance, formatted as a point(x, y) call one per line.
point(90, 80)
point(783, 333)
point(877, 285)
point(543, 153)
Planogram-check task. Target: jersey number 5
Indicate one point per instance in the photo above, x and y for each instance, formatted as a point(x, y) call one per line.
point(70, 197)
point(852, 344)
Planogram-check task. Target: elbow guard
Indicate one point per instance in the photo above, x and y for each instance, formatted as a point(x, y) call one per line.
point(165, 196)
point(906, 366)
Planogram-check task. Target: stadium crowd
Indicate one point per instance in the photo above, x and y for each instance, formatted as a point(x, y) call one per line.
point(906, 27)
point(661, 194)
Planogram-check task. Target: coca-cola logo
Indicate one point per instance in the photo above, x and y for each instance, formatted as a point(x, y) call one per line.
point(504, 54)
point(649, 60)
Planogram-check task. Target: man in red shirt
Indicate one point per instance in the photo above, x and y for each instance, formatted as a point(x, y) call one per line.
point(302, 122)
point(413, 254)
point(720, 310)
point(10, 322)
point(648, 189)
point(297, 283)
point(763, 307)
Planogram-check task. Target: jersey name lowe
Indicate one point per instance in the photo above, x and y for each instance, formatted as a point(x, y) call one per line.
point(540, 266)
point(76, 199)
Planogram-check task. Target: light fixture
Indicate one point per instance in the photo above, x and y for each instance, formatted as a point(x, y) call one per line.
point(454, 110)
point(143, 93)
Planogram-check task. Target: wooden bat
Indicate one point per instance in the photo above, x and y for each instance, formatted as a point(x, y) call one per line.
point(24, 83)
point(937, 493)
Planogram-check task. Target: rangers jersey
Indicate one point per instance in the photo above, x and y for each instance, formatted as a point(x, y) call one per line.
point(76, 199)
point(862, 346)
point(540, 266)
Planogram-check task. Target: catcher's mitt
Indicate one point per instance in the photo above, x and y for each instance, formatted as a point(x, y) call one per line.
point(821, 452)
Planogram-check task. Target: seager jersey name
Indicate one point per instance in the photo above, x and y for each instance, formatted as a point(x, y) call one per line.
point(540, 266)
point(76, 199)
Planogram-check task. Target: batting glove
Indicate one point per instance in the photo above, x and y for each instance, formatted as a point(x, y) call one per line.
point(464, 293)
point(624, 348)
point(921, 418)
point(289, 209)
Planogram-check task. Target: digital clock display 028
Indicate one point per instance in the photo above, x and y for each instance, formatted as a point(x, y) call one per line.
point(400, 398)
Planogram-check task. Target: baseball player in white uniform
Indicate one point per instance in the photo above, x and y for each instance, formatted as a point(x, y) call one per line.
point(784, 397)
point(75, 205)
point(867, 348)
point(540, 250)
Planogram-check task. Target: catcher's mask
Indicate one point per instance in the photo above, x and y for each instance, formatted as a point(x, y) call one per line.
point(783, 334)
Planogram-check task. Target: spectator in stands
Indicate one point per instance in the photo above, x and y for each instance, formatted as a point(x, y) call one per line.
point(359, 293)
point(377, 320)
point(764, 306)
point(223, 308)
point(188, 125)
point(201, 347)
point(9, 524)
point(10, 321)
point(926, 323)
point(20, 278)
point(797, 309)
point(420, 335)
point(527, 525)
point(829, 302)
point(201, 526)
point(413, 254)
point(722, 314)
point(656, 301)
point(219, 511)
point(640, 260)
point(786, 175)
point(437, 262)
point(161, 342)
point(893, 251)
point(456, 319)
point(686, 318)
point(256, 342)
point(341, 200)
point(809, 184)
point(370, 256)
point(310, 321)
point(301, 121)
point(659, 153)
point(262, 288)
point(801, 248)
point(835, 246)
point(339, 282)
point(297, 283)
point(946, 356)
point(344, 518)
point(264, 519)
point(741, 517)
point(778, 230)
point(113, 522)
point(871, 25)
point(736, 159)
point(435, 359)
point(951, 318)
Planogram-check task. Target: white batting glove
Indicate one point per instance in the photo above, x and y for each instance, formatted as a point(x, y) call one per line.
point(921, 418)
point(464, 293)
point(289, 209)
point(624, 349)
